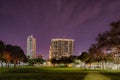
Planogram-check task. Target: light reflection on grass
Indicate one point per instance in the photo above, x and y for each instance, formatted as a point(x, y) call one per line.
point(96, 76)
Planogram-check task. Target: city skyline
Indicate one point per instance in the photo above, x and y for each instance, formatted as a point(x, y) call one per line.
point(81, 20)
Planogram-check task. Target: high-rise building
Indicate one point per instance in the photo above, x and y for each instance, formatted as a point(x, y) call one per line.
point(31, 47)
point(61, 48)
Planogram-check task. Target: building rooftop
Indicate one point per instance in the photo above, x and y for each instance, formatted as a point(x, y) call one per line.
point(62, 39)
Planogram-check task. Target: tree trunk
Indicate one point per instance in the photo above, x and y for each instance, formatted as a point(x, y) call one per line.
point(14, 65)
point(8, 65)
point(15, 62)
point(103, 65)
point(1, 64)
point(90, 65)
point(19, 63)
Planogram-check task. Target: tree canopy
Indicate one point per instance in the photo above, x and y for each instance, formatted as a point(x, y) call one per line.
point(10, 53)
point(106, 41)
point(110, 38)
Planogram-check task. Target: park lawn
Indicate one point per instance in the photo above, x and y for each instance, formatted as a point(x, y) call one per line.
point(56, 73)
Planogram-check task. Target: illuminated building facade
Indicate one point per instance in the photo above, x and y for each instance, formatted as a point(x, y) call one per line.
point(31, 47)
point(61, 48)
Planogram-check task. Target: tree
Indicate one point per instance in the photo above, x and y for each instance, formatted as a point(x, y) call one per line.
point(31, 62)
point(54, 61)
point(7, 54)
point(111, 38)
point(107, 40)
point(97, 55)
point(39, 60)
point(17, 54)
point(13, 53)
point(2, 48)
point(63, 60)
point(84, 57)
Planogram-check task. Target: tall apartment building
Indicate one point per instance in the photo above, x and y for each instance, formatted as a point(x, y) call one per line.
point(61, 48)
point(31, 47)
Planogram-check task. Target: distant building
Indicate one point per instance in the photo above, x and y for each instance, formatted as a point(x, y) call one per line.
point(61, 48)
point(31, 47)
point(39, 56)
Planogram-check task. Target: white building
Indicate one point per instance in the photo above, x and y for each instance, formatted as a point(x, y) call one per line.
point(31, 47)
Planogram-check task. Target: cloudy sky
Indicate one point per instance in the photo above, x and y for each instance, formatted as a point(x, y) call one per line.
point(81, 20)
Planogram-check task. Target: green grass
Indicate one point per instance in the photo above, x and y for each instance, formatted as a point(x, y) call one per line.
point(56, 73)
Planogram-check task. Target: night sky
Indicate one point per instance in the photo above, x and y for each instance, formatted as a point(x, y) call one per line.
point(81, 20)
